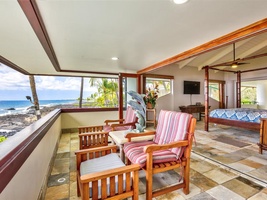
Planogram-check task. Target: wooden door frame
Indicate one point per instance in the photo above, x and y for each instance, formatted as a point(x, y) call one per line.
point(138, 87)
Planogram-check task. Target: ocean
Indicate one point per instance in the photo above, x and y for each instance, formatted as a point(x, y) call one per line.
point(20, 106)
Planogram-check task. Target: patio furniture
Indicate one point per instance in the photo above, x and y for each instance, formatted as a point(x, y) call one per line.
point(263, 135)
point(118, 137)
point(122, 124)
point(102, 175)
point(92, 139)
point(170, 149)
point(95, 136)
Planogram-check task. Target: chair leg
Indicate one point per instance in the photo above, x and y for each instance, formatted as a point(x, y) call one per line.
point(149, 184)
point(186, 171)
point(78, 189)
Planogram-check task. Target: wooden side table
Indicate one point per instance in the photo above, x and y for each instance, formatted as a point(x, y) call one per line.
point(193, 109)
point(153, 119)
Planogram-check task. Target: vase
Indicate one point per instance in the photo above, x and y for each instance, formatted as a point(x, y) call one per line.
point(149, 106)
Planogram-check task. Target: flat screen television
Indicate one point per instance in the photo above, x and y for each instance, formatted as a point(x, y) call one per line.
point(191, 87)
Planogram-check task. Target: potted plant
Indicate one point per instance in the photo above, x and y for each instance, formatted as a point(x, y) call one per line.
point(151, 97)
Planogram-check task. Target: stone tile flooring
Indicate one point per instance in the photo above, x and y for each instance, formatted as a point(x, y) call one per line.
point(220, 169)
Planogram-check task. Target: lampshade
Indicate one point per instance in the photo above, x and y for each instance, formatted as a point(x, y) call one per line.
point(234, 65)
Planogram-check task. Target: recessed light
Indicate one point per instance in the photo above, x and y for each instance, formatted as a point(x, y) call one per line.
point(179, 1)
point(114, 58)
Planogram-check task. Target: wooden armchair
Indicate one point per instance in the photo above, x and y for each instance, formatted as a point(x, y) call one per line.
point(102, 175)
point(95, 136)
point(122, 124)
point(92, 136)
point(170, 149)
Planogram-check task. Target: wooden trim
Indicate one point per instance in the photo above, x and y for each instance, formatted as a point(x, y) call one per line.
point(206, 91)
point(120, 97)
point(235, 123)
point(32, 13)
point(216, 81)
point(139, 90)
point(248, 31)
point(128, 75)
point(13, 65)
point(158, 76)
point(12, 162)
point(253, 70)
point(73, 110)
point(238, 89)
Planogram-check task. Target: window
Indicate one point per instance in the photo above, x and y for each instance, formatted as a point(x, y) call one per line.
point(164, 85)
point(100, 92)
point(214, 91)
point(248, 95)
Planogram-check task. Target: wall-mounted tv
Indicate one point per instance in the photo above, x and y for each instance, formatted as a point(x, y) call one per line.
point(191, 87)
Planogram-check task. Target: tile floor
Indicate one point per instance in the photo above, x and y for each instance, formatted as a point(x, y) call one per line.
point(220, 168)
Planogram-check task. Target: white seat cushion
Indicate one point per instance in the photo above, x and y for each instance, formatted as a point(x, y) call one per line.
point(110, 161)
point(106, 162)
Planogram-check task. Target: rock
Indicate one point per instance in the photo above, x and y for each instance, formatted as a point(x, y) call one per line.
point(11, 109)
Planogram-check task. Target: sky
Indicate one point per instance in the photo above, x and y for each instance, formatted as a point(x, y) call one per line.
point(16, 86)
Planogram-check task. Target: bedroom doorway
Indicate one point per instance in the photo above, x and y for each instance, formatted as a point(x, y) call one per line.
point(217, 93)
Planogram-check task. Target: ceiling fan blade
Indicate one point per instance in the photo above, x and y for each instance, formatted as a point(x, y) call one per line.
point(242, 63)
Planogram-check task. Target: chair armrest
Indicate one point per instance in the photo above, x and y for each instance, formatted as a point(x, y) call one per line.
point(129, 136)
point(92, 150)
point(108, 173)
point(155, 147)
point(126, 124)
point(113, 121)
point(86, 129)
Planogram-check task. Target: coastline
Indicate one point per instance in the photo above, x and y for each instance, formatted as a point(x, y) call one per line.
point(13, 123)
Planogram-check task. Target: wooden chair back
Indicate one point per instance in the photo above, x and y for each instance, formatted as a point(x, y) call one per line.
point(170, 149)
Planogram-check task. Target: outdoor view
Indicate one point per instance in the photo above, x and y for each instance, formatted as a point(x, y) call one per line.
point(17, 112)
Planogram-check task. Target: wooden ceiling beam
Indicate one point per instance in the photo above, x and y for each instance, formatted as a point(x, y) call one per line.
point(33, 15)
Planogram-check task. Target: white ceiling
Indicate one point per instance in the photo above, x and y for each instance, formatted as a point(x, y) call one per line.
point(85, 34)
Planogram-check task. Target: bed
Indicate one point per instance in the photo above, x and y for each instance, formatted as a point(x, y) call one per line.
point(239, 117)
point(248, 118)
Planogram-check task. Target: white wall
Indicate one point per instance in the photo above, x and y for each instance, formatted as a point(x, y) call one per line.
point(261, 95)
point(187, 73)
point(73, 120)
point(28, 181)
point(259, 76)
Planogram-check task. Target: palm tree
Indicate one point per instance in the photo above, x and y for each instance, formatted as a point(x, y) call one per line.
point(35, 97)
point(105, 91)
point(81, 94)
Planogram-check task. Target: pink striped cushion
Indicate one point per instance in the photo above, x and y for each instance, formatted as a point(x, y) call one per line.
point(130, 116)
point(134, 152)
point(172, 126)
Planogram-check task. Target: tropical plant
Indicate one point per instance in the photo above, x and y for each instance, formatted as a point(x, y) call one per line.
point(2, 138)
point(151, 96)
point(107, 92)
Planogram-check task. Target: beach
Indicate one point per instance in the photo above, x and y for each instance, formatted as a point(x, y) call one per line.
point(13, 123)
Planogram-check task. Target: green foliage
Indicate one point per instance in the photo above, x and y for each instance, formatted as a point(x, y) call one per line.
point(2, 139)
point(107, 93)
point(248, 95)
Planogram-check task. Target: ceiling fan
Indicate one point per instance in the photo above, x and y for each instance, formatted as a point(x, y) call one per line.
point(236, 62)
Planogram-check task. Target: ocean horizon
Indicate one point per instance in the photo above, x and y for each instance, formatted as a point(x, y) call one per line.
point(21, 106)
